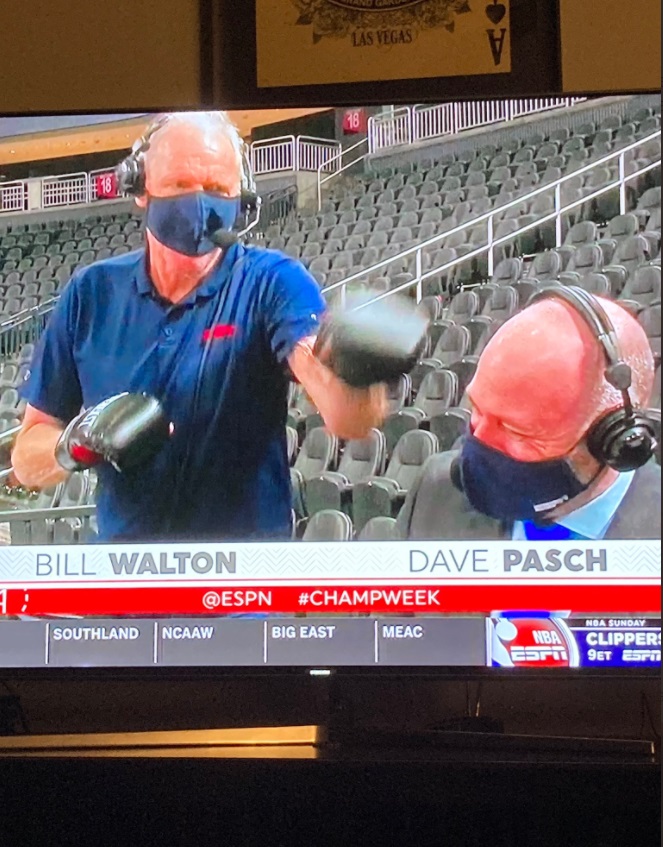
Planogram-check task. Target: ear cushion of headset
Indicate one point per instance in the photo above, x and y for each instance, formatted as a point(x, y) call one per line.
point(624, 443)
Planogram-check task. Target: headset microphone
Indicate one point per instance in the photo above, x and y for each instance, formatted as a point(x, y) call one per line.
point(224, 238)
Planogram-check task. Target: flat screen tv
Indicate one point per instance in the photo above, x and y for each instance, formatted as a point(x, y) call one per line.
point(383, 399)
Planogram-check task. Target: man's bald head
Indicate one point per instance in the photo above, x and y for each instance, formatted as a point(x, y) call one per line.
point(540, 383)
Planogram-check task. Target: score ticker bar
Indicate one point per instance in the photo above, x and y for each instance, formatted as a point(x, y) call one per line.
point(506, 640)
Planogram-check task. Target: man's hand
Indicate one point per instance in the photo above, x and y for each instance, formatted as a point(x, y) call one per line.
point(125, 430)
point(344, 369)
point(368, 344)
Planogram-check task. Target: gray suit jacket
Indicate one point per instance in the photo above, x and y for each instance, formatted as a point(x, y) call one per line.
point(435, 509)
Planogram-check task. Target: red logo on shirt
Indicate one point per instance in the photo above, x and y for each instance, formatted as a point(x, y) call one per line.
point(219, 331)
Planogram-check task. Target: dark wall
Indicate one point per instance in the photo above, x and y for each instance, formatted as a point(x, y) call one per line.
point(318, 125)
point(65, 165)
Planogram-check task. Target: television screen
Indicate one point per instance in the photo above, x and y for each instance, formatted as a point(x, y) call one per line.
point(377, 388)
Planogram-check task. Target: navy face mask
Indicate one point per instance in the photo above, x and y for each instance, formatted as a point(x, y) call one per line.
point(185, 222)
point(510, 490)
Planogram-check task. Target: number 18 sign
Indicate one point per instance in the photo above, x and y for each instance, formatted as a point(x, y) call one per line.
point(106, 186)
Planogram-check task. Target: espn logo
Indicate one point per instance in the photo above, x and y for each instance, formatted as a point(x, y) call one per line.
point(641, 656)
point(538, 654)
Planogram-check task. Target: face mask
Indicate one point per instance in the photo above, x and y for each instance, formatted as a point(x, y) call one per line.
point(510, 490)
point(185, 222)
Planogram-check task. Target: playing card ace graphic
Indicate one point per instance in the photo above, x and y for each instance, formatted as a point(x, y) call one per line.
point(304, 42)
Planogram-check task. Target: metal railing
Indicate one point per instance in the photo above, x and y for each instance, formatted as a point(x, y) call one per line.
point(59, 525)
point(416, 253)
point(335, 166)
point(411, 124)
point(391, 130)
point(314, 154)
point(274, 155)
point(278, 207)
point(13, 196)
point(293, 153)
point(406, 125)
point(24, 327)
point(65, 190)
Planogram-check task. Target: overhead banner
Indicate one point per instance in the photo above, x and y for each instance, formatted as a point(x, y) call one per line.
point(320, 42)
point(428, 577)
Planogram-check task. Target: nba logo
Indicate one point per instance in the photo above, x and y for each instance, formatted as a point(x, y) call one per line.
point(531, 640)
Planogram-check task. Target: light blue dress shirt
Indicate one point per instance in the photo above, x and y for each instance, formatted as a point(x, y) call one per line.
point(592, 520)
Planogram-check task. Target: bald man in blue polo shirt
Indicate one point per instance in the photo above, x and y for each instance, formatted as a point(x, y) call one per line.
point(137, 325)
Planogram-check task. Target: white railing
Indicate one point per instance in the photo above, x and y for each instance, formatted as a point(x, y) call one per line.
point(315, 154)
point(65, 190)
point(417, 253)
point(335, 165)
point(409, 125)
point(393, 129)
point(274, 155)
point(293, 153)
point(13, 196)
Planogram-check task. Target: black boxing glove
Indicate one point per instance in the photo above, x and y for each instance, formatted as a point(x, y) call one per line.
point(125, 430)
point(367, 344)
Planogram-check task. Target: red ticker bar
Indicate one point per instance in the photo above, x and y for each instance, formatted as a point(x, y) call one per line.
point(311, 599)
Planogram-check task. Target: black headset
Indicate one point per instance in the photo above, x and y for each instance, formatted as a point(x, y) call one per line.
point(624, 439)
point(130, 175)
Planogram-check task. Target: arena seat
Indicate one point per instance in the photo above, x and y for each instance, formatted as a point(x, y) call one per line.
point(385, 495)
point(328, 525)
point(292, 443)
point(586, 258)
point(502, 303)
point(595, 283)
point(463, 307)
point(583, 232)
point(299, 409)
point(360, 460)
point(644, 286)
point(453, 343)
point(449, 427)
point(464, 369)
point(380, 528)
point(438, 391)
point(477, 328)
point(317, 454)
point(619, 229)
point(650, 320)
point(629, 254)
point(545, 267)
point(507, 271)
point(655, 400)
point(398, 392)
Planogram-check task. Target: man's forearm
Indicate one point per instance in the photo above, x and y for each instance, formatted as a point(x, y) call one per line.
point(33, 457)
point(347, 412)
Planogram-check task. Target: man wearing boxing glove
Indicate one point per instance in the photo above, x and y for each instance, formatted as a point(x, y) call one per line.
point(191, 341)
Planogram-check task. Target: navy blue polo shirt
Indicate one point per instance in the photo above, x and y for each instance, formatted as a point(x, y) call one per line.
point(224, 474)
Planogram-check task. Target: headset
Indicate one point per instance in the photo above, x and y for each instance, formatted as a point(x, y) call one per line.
point(623, 439)
point(130, 176)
